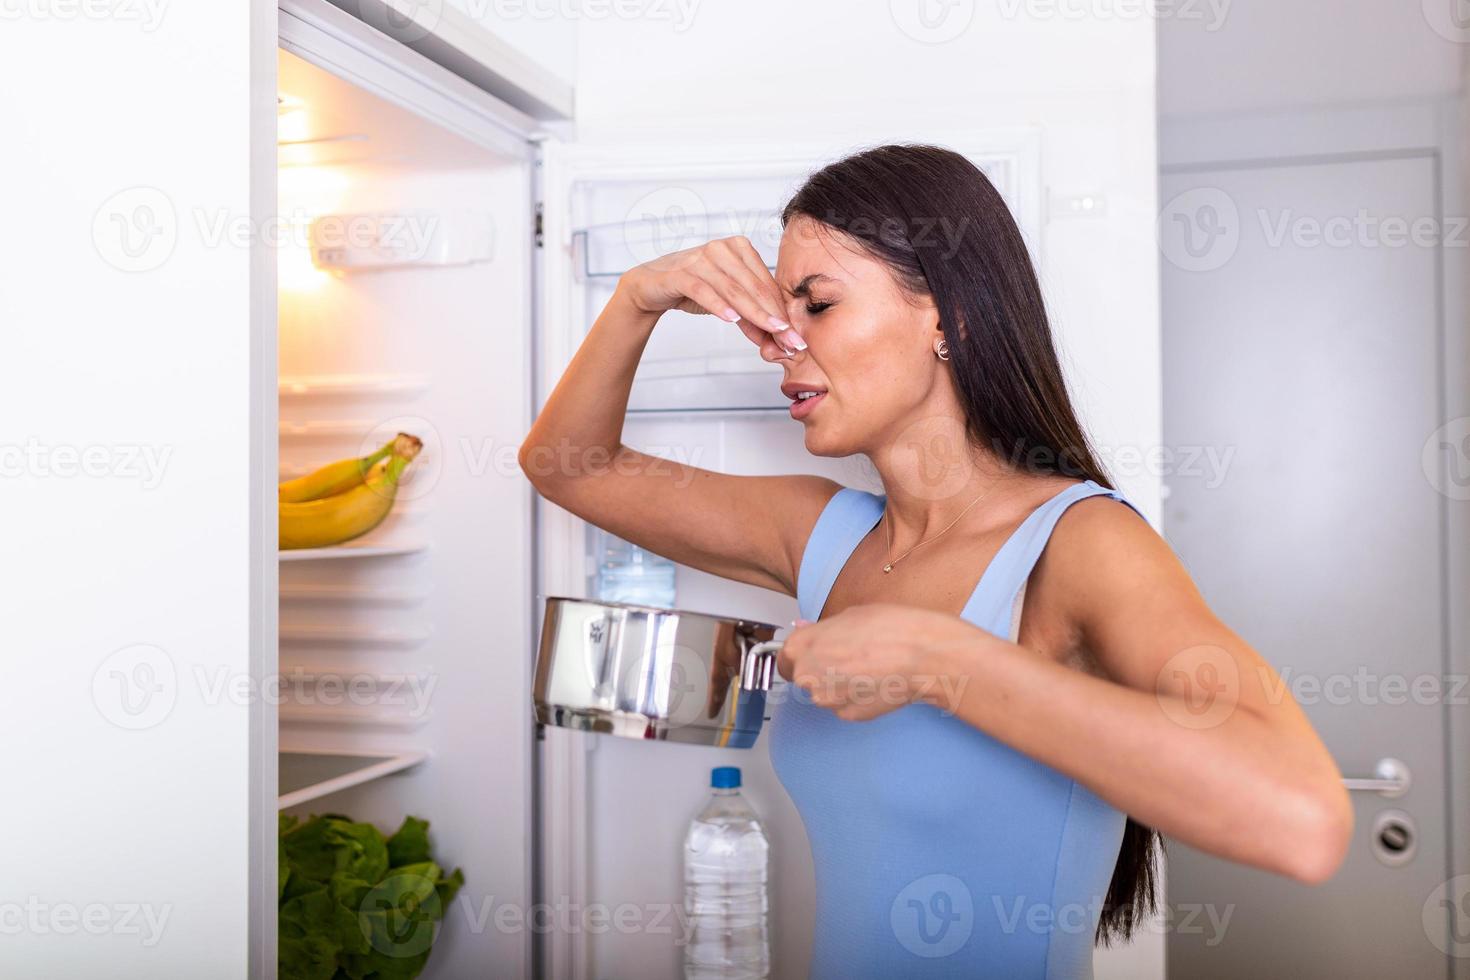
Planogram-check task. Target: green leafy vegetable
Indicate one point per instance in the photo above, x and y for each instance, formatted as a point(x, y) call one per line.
point(354, 905)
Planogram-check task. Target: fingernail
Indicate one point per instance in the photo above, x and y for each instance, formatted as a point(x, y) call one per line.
point(801, 622)
point(793, 339)
point(730, 315)
point(779, 323)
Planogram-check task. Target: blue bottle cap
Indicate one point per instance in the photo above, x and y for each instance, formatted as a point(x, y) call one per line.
point(725, 777)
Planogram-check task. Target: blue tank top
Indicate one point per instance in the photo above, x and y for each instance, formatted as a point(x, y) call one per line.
point(940, 851)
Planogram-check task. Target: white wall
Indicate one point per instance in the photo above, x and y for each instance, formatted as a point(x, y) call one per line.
point(133, 533)
point(1258, 55)
point(772, 72)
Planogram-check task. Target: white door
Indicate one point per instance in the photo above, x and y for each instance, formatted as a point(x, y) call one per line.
point(138, 316)
point(1300, 353)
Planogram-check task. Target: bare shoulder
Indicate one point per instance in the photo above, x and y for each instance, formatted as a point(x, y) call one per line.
point(1101, 529)
point(807, 496)
point(1101, 546)
point(803, 497)
point(1118, 586)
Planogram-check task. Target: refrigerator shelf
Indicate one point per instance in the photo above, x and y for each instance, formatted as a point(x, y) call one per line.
point(606, 251)
point(349, 593)
point(352, 551)
point(350, 716)
point(325, 428)
point(351, 385)
point(305, 776)
point(356, 636)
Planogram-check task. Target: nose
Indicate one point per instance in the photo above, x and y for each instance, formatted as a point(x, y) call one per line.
point(772, 350)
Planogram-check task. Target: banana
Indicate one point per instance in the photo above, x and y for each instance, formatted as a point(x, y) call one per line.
point(334, 478)
point(344, 516)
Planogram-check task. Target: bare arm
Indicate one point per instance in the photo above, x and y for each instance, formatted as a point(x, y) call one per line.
point(1190, 732)
point(750, 529)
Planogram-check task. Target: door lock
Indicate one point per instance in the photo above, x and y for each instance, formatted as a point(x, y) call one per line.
point(1395, 838)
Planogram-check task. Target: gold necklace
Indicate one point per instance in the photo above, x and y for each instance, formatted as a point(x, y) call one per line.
point(888, 566)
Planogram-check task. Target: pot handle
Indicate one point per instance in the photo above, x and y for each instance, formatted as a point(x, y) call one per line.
point(758, 666)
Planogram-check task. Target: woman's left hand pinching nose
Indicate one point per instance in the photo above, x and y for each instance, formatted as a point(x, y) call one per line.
point(873, 658)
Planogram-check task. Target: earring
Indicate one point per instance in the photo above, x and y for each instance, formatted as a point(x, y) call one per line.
point(941, 348)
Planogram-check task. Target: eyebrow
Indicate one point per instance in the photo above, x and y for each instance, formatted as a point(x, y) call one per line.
point(803, 288)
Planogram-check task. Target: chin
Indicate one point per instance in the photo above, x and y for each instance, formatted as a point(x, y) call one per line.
point(820, 443)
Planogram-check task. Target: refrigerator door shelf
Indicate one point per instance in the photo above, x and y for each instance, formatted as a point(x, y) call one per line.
point(655, 229)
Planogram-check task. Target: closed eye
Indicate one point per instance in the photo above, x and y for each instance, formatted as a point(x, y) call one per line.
point(813, 309)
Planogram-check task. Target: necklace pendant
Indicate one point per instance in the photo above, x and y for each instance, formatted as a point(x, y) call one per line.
point(887, 568)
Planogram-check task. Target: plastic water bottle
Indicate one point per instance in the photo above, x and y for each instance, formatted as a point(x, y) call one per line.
point(725, 862)
point(628, 573)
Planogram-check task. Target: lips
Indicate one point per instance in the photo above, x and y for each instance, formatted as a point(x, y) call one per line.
point(804, 397)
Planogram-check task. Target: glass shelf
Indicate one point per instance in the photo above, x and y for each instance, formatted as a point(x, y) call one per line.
point(305, 776)
point(338, 551)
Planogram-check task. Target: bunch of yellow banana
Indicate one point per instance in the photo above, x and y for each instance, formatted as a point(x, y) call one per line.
point(345, 499)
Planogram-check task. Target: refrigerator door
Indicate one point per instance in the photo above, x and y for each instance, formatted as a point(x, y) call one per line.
point(137, 308)
point(704, 396)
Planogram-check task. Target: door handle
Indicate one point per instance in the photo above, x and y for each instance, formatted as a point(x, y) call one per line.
point(1390, 779)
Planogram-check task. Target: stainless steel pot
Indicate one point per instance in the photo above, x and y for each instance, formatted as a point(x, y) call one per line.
point(644, 672)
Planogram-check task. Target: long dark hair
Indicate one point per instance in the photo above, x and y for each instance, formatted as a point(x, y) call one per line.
point(944, 231)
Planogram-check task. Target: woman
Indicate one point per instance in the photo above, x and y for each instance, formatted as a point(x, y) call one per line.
point(976, 783)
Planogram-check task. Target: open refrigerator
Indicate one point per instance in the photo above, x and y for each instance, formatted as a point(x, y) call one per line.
point(442, 257)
